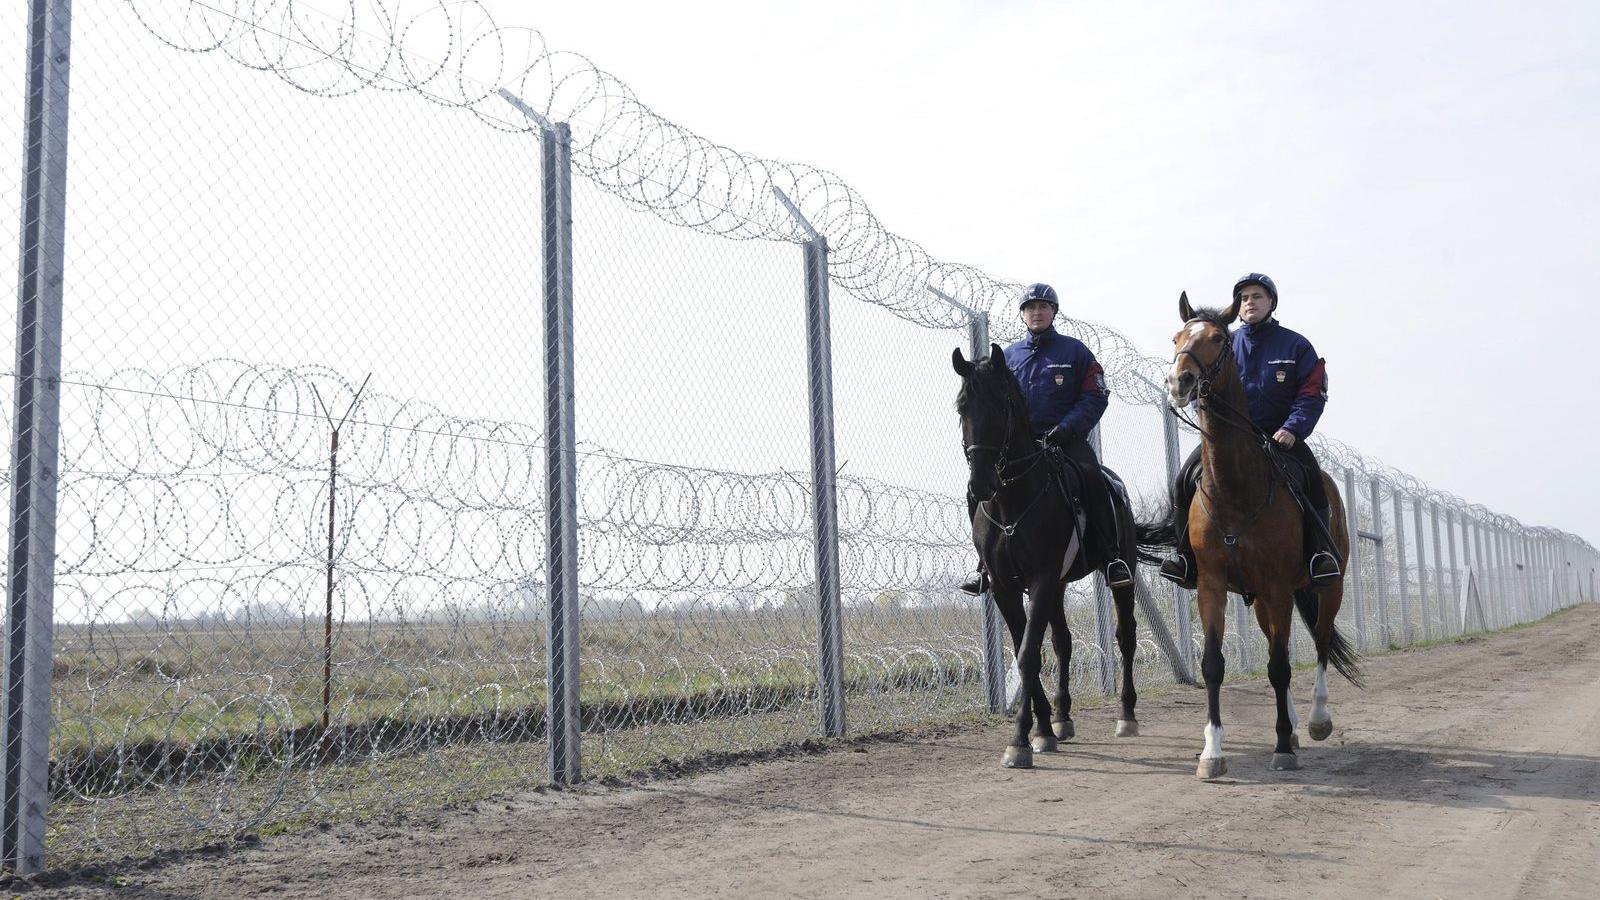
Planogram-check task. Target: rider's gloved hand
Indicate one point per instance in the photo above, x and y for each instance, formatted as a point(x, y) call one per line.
point(1056, 437)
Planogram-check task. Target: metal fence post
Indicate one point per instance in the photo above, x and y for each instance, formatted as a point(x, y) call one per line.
point(824, 476)
point(561, 462)
point(563, 710)
point(1353, 577)
point(1185, 639)
point(994, 644)
point(1438, 569)
point(31, 551)
point(1105, 632)
point(1422, 567)
point(1400, 564)
point(1455, 565)
point(1376, 486)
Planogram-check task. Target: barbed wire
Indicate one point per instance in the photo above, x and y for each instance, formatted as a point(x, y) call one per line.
point(454, 53)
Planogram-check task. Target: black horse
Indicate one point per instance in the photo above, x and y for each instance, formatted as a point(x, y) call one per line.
point(1028, 531)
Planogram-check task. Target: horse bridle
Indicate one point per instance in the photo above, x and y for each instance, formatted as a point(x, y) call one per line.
point(1000, 463)
point(1208, 374)
point(1001, 460)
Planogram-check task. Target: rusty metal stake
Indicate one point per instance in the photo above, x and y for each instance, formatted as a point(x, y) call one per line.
point(333, 487)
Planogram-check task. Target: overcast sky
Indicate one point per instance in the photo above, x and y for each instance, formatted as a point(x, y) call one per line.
point(1418, 178)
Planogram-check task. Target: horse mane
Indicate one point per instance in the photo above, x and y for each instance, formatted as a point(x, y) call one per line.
point(1213, 315)
point(988, 373)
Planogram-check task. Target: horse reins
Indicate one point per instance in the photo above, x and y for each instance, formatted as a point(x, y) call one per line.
point(1002, 461)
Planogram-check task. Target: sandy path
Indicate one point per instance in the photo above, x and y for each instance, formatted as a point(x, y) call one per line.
point(1466, 770)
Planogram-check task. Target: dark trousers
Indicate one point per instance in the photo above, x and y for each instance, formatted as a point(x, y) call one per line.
point(1096, 499)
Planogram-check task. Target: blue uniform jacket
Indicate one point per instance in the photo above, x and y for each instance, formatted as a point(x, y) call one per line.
point(1285, 381)
point(1063, 385)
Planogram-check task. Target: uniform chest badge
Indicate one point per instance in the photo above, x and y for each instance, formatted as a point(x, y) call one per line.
point(1282, 376)
point(1062, 379)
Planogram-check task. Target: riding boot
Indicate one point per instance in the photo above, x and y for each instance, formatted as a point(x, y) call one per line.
point(1179, 566)
point(1322, 562)
point(1117, 573)
point(978, 584)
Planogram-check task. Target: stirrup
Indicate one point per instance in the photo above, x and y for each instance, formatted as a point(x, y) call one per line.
point(1176, 570)
point(977, 584)
point(1329, 567)
point(1118, 575)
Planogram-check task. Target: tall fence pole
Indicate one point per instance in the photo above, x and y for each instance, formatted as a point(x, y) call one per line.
point(824, 475)
point(563, 713)
point(31, 557)
point(994, 662)
point(1422, 568)
point(561, 461)
point(1376, 486)
point(1400, 563)
point(1185, 638)
point(992, 632)
point(1353, 576)
point(1455, 565)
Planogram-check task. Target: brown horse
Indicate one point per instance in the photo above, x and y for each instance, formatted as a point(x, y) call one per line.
point(1245, 527)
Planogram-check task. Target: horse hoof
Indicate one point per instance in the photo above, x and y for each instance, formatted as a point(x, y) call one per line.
point(1127, 728)
point(1285, 762)
point(1319, 731)
point(1045, 743)
point(1064, 730)
point(1018, 758)
point(1211, 768)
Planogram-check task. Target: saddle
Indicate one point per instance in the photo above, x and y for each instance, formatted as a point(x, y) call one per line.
point(1293, 471)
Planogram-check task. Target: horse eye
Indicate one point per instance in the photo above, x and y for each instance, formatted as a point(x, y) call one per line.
point(1216, 339)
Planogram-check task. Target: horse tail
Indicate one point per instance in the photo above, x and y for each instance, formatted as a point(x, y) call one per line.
point(1156, 539)
point(1336, 650)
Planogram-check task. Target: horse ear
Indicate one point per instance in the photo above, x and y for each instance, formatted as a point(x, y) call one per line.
point(1184, 309)
point(1233, 311)
point(998, 356)
point(963, 368)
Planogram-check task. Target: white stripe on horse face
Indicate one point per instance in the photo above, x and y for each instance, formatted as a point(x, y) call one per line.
point(1213, 748)
point(1195, 328)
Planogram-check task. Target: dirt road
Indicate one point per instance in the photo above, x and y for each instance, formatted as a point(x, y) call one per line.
point(1469, 770)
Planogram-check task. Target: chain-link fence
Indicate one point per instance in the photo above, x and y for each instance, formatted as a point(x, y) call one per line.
point(436, 421)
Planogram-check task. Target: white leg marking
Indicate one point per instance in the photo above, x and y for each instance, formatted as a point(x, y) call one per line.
point(1213, 742)
point(1319, 697)
point(1294, 717)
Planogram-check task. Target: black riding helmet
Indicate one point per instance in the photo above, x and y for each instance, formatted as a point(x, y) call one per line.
point(1040, 291)
point(1264, 281)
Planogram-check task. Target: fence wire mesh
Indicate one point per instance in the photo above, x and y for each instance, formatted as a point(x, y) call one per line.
point(301, 531)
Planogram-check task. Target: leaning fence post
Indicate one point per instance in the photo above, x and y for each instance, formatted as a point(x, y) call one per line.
point(1104, 631)
point(1169, 436)
point(824, 488)
point(992, 635)
point(563, 712)
point(31, 551)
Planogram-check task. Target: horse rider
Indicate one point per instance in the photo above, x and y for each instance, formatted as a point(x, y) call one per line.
point(1065, 391)
point(1286, 386)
